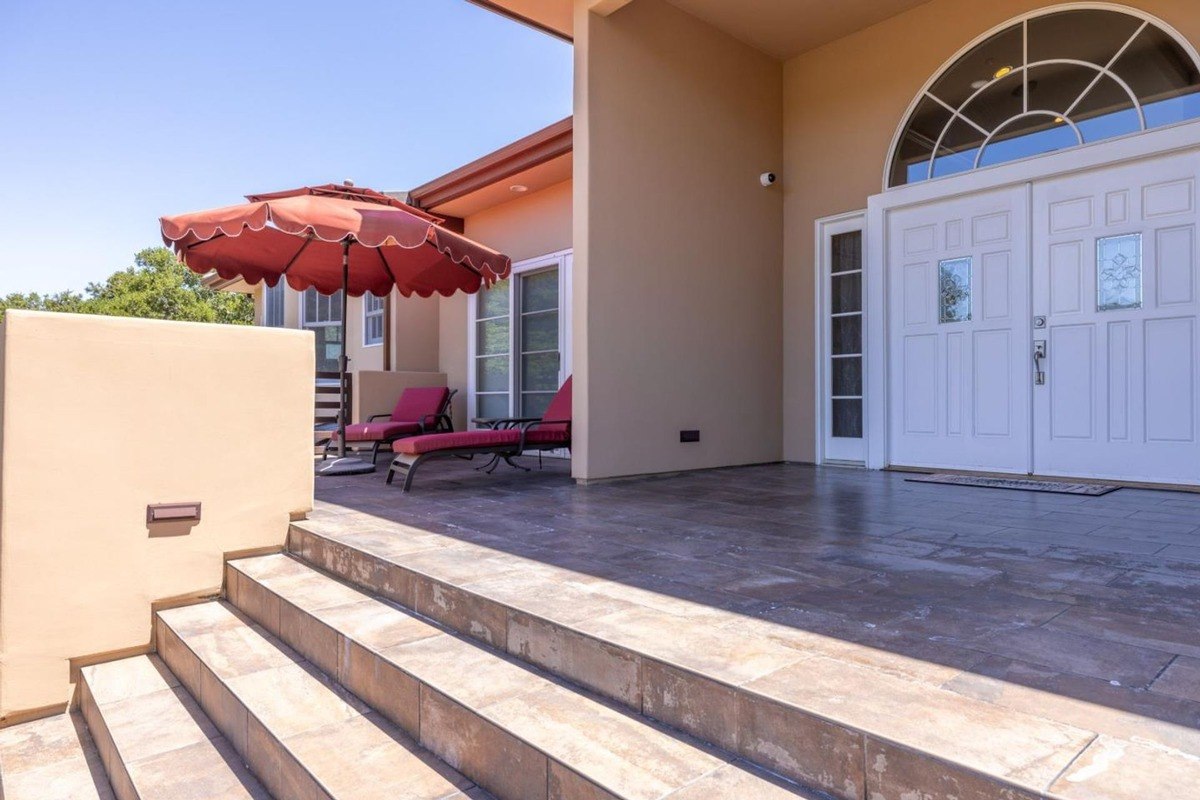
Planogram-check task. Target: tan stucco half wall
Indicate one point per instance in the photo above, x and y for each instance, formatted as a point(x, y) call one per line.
point(678, 249)
point(102, 416)
point(842, 105)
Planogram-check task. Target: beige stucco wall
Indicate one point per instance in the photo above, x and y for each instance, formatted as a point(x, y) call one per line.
point(102, 416)
point(678, 250)
point(529, 226)
point(842, 105)
point(452, 352)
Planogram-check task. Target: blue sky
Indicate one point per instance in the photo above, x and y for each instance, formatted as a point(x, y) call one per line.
point(114, 114)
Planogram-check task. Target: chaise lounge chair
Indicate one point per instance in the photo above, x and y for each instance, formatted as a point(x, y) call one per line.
point(420, 410)
point(503, 439)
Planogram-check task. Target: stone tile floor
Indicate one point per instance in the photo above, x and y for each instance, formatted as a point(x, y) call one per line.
point(1081, 609)
point(53, 757)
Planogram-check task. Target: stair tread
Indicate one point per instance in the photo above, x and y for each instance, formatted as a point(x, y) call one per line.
point(289, 700)
point(51, 757)
point(165, 743)
point(628, 756)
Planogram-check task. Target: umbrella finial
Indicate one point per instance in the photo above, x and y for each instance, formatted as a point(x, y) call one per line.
point(347, 182)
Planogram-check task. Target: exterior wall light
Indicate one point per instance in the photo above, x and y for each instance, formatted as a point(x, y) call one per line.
point(172, 512)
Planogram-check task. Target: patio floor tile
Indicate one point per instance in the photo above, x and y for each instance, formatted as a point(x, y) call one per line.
point(1181, 679)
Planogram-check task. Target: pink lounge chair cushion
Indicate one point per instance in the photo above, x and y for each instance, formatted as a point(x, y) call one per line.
point(418, 445)
point(420, 403)
point(559, 409)
point(377, 431)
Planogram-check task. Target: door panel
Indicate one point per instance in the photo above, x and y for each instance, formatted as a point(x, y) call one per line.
point(1115, 276)
point(958, 289)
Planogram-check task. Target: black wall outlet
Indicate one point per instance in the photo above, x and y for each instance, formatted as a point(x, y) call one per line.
point(689, 436)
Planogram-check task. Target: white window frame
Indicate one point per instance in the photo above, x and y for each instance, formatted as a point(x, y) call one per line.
point(1023, 20)
point(368, 314)
point(562, 260)
point(274, 295)
point(305, 322)
point(831, 449)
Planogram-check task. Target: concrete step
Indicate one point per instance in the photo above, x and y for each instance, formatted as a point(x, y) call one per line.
point(154, 740)
point(820, 709)
point(51, 758)
point(302, 736)
point(511, 728)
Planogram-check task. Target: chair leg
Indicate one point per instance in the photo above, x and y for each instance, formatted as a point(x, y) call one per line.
point(375, 452)
point(325, 451)
point(509, 460)
point(409, 468)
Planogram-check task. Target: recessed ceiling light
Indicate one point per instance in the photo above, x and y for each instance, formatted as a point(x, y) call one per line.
point(519, 188)
point(1058, 120)
point(977, 85)
point(1000, 73)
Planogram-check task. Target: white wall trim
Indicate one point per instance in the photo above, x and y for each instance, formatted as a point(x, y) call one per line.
point(825, 229)
point(563, 259)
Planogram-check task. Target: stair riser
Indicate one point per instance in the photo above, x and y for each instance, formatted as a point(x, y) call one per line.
point(804, 747)
point(114, 766)
point(266, 756)
point(588, 662)
point(499, 762)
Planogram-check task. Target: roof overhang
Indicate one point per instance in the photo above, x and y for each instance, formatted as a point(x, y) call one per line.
point(212, 280)
point(555, 17)
point(780, 28)
point(535, 162)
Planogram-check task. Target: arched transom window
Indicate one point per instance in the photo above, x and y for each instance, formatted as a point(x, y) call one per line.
point(1052, 81)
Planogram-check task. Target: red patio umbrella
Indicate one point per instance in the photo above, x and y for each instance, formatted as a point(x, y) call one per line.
point(334, 237)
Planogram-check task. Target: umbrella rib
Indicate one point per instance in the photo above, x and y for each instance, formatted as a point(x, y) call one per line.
point(387, 267)
point(307, 242)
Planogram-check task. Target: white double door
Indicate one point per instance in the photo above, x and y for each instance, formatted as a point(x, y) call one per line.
point(1098, 272)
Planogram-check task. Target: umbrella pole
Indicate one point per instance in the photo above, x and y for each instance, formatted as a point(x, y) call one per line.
point(342, 465)
point(344, 357)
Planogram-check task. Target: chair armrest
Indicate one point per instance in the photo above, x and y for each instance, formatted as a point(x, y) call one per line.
point(374, 417)
point(528, 425)
point(513, 422)
point(436, 424)
point(506, 422)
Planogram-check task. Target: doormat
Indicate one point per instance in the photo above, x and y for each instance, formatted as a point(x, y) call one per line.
point(1021, 484)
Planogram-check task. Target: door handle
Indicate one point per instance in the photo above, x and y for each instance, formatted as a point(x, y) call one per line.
point(1039, 353)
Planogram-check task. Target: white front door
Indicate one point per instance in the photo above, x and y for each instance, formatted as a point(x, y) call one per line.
point(1116, 294)
point(959, 333)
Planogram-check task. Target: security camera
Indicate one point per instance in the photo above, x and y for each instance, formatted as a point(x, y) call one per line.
point(767, 179)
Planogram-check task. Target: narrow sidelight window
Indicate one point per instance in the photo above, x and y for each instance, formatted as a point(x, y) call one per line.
point(846, 335)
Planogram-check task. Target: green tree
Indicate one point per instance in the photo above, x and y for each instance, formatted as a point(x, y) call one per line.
point(157, 286)
point(62, 301)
